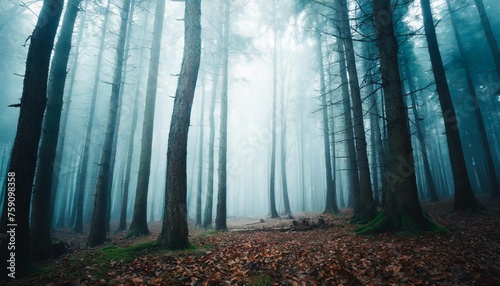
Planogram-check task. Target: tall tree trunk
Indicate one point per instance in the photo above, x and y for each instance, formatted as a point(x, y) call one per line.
point(349, 135)
point(332, 131)
point(174, 233)
point(331, 196)
point(64, 202)
point(302, 157)
point(23, 160)
point(41, 247)
point(63, 128)
point(286, 200)
point(200, 155)
point(82, 177)
point(130, 25)
point(494, 184)
point(122, 225)
point(97, 234)
point(373, 135)
point(464, 197)
point(366, 209)
point(139, 225)
point(272, 194)
point(220, 218)
point(207, 216)
point(402, 210)
point(421, 139)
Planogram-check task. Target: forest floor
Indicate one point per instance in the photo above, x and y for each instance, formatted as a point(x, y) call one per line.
point(268, 253)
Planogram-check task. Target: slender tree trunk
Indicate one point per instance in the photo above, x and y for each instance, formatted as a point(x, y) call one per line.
point(41, 247)
point(118, 116)
point(423, 146)
point(494, 184)
point(464, 197)
point(82, 177)
point(174, 233)
point(331, 196)
point(97, 234)
point(332, 131)
point(429, 181)
point(402, 208)
point(349, 135)
point(22, 165)
point(128, 173)
point(286, 200)
point(64, 202)
point(63, 129)
point(373, 135)
point(207, 217)
point(302, 158)
point(139, 225)
point(200, 155)
point(220, 218)
point(366, 209)
point(272, 195)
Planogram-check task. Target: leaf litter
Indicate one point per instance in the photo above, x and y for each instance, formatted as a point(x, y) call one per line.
point(269, 253)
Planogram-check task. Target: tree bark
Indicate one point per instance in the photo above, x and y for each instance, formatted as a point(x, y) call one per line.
point(122, 225)
point(200, 156)
point(139, 225)
point(464, 197)
point(272, 193)
point(97, 234)
point(174, 234)
point(331, 196)
point(366, 209)
point(207, 217)
point(41, 247)
point(349, 135)
point(23, 160)
point(286, 200)
point(58, 161)
point(220, 218)
point(402, 210)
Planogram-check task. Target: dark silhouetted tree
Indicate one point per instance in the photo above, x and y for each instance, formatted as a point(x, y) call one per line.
point(41, 247)
point(464, 196)
point(24, 152)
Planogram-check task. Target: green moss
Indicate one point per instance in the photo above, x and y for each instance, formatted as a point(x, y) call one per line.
point(104, 256)
point(406, 225)
point(261, 280)
point(373, 227)
point(124, 254)
point(136, 232)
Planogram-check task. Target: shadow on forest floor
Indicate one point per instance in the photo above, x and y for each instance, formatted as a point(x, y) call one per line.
point(268, 253)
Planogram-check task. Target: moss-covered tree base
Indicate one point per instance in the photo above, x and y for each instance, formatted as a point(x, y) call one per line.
point(404, 223)
point(364, 218)
point(136, 231)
